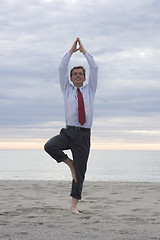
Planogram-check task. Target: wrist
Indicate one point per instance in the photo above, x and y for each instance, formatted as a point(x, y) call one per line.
point(84, 51)
point(70, 51)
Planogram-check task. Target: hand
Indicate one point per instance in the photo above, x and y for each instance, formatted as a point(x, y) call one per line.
point(74, 47)
point(81, 48)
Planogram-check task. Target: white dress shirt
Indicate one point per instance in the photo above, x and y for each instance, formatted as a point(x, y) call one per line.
point(70, 92)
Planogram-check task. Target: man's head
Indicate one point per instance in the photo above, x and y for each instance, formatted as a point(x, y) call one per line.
point(77, 76)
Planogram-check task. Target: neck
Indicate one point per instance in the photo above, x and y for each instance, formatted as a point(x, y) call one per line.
point(78, 85)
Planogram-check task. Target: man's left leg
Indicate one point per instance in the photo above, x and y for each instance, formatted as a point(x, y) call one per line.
point(80, 153)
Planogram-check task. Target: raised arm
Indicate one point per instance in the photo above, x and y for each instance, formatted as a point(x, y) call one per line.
point(63, 71)
point(63, 68)
point(93, 74)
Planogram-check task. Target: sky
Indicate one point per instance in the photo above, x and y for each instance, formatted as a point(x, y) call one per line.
point(124, 39)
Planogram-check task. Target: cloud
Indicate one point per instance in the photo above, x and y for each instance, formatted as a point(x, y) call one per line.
point(122, 36)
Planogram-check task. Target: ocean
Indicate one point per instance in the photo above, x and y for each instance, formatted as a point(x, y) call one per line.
point(124, 166)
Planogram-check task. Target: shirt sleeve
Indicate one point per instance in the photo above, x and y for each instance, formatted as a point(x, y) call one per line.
point(93, 74)
point(63, 71)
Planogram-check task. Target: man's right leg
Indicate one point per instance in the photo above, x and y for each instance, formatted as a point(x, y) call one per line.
point(55, 146)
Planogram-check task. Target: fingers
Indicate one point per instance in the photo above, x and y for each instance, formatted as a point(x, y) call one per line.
point(74, 47)
point(80, 44)
point(77, 46)
point(81, 47)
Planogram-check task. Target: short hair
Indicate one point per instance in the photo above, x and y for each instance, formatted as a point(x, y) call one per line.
point(78, 67)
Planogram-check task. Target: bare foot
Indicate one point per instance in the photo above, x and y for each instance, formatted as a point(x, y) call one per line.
point(74, 206)
point(75, 211)
point(69, 162)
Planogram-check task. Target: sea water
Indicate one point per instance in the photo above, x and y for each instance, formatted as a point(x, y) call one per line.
point(128, 166)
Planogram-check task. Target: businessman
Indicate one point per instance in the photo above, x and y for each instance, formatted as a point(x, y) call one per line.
point(79, 101)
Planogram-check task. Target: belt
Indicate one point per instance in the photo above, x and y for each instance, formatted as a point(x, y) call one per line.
point(77, 128)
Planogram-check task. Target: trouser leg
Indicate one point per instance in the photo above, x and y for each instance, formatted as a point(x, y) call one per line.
point(55, 146)
point(80, 157)
point(79, 143)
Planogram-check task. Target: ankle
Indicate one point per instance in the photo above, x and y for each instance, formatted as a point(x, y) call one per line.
point(74, 202)
point(69, 162)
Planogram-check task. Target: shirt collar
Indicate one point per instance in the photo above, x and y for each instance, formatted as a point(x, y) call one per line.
point(81, 88)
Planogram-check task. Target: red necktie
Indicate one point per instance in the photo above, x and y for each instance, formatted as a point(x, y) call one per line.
point(81, 110)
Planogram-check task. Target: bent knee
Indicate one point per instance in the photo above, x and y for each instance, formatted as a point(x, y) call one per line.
point(50, 147)
point(47, 147)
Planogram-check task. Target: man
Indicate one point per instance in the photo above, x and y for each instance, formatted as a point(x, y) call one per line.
point(78, 101)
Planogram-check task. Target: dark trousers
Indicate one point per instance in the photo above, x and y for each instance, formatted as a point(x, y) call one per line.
point(78, 141)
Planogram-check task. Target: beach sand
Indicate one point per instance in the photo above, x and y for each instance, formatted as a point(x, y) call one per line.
point(39, 210)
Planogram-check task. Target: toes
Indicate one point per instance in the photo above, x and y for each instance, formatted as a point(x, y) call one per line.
point(75, 211)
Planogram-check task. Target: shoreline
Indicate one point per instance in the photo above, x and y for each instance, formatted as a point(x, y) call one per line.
point(39, 209)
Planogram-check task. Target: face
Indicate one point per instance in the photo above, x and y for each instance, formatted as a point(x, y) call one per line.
point(78, 77)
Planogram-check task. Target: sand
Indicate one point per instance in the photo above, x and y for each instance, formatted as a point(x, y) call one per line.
point(39, 210)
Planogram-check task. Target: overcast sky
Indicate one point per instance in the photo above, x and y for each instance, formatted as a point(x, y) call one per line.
point(123, 36)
